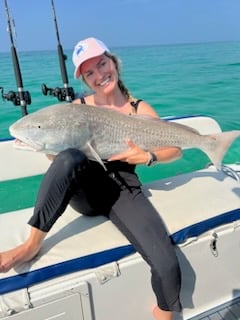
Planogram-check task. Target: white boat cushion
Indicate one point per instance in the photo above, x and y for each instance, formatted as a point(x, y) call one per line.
point(189, 204)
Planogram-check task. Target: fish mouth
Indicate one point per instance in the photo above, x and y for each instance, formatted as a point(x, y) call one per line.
point(19, 144)
point(23, 142)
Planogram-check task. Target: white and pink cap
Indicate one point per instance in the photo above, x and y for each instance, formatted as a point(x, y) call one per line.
point(84, 50)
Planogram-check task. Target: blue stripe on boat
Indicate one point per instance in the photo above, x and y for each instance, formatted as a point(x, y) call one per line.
point(203, 226)
point(6, 139)
point(100, 258)
point(27, 279)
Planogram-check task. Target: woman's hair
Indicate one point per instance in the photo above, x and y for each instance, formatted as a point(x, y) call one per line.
point(121, 85)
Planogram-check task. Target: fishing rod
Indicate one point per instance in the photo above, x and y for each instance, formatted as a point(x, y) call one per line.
point(66, 93)
point(19, 98)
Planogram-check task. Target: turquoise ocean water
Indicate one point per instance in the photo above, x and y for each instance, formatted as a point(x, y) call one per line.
point(189, 79)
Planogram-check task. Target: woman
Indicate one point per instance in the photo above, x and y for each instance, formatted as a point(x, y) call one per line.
point(115, 193)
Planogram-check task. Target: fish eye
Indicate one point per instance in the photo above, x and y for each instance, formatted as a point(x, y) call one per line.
point(39, 126)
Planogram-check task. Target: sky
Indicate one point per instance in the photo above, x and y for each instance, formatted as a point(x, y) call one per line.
point(119, 22)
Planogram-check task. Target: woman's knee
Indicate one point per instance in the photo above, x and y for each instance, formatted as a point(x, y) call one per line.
point(71, 159)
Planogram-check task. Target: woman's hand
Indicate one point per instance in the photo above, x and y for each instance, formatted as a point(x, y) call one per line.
point(133, 155)
point(50, 157)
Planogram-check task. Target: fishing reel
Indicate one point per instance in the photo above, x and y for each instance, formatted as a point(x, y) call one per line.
point(16, 96)
point(62, 94)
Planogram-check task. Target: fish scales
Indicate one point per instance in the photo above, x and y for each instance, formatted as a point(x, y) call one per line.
point(101, 132)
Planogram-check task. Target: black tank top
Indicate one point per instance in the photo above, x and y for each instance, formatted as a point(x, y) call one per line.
point(134, 104)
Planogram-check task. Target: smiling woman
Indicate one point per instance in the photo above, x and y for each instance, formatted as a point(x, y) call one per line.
point(113, 191)
point(201, 79)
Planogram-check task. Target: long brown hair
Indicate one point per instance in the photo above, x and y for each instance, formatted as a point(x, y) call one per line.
point(121, 85)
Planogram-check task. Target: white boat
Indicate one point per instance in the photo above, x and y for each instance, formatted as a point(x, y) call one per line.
point(87, 270)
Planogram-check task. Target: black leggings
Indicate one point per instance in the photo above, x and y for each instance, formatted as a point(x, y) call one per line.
point(88, 188)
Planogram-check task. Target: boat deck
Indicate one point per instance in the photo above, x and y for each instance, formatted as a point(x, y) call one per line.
point(228, 311)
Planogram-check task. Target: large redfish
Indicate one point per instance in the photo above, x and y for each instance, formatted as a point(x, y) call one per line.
point(102, 133)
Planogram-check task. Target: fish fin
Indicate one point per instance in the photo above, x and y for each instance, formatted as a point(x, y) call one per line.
point(96, 155)
point(223, 142)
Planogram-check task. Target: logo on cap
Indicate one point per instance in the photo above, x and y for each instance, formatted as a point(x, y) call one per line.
point(80, 49)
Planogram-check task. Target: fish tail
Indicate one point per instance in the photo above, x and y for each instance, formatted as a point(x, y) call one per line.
point(221, 145)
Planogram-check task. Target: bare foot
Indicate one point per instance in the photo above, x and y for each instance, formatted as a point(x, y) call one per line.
point(15, 256)
point(160, 314)
point(23, 252)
